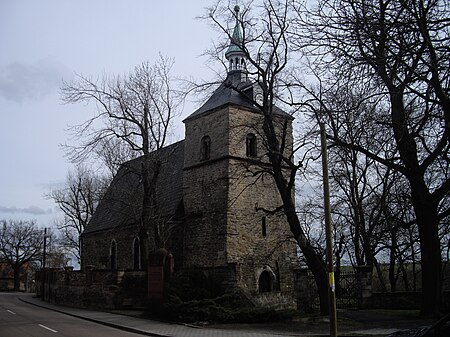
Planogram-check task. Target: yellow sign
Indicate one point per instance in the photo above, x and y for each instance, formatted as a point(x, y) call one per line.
point(331, 280)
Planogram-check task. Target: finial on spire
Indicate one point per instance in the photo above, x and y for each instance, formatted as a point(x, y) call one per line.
point(235, 54)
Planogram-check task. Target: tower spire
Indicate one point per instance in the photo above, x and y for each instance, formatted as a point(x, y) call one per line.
point(235, 54)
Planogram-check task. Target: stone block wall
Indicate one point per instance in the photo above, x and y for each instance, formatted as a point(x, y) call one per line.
point(242, 122)
point(215, 125)
point(251, 193)
point(94, 289)
point(205, 188)
point(205, 215)
point(222, 196)
point(96, 248)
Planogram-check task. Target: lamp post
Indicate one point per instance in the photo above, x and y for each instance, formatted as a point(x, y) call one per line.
point(328, 234)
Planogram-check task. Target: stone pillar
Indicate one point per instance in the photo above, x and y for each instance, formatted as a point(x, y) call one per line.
point(364, 282)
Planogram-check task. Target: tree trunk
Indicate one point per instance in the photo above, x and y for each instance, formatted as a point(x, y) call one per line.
point(314, 262)
point(392, 276)
point(405, 277)
point(320, 277)
point(413, 259)
point(431, 255)
point(148, 228)
point(144, 229)
point(425, 208)
point(16, 270)
point(143, 247)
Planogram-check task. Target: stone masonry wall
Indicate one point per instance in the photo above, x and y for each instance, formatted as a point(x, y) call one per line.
point(205, 191)
point(221, 197)
point(96, 248)
point(249, 189)
point(93, 289)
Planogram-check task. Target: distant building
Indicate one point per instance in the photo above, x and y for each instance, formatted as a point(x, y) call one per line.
point(210, 197)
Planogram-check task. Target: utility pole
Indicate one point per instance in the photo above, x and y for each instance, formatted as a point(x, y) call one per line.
point(43, 264)
point(328, 233)
point(45, 248)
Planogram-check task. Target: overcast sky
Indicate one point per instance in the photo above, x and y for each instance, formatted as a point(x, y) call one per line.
point(43, 42)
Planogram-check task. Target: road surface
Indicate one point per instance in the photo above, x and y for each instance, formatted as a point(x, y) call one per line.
point(19, 319)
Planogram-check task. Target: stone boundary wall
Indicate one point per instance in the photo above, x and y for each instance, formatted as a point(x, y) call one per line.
point(94, 289)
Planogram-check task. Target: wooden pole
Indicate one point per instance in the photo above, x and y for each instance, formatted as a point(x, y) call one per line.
point(43, 264)
point(328, 233)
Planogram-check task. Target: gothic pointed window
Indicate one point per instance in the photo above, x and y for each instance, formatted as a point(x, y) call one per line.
point(113, 255)
point(205, 148)
point(251, 145)
point(264, 226)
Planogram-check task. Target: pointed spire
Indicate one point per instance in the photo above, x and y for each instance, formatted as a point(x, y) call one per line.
point(234, 54)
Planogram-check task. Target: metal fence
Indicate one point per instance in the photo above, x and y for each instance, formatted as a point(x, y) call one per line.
point(348, 292)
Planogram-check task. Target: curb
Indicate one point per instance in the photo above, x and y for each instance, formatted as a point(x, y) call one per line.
point(112, 325)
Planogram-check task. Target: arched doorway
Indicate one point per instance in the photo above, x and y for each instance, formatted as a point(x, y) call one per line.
point(265, 282)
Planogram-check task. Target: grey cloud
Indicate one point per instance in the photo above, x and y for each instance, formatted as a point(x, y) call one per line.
point(35, 210)
point(20, 82)
point(53, 184)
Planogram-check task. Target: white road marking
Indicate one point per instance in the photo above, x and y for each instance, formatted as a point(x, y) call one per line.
point(46, 327)
point(11, 312)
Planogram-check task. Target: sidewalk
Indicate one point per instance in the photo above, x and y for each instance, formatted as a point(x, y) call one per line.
point(148, 327)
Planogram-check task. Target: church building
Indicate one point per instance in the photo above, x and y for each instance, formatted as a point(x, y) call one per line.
point(213, 197)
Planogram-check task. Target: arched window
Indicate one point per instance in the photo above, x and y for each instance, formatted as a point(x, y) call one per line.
point(113, 255)
point(251, 145)
point(265, 282)
point(264, 226)
point(136, 254)
point(205, 148)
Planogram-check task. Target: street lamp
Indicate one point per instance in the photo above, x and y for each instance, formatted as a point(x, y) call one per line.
point(328, 235)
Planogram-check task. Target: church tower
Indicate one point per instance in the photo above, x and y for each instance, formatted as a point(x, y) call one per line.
point(226, 193)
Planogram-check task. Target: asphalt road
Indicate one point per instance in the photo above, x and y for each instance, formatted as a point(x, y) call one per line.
point(19, 319)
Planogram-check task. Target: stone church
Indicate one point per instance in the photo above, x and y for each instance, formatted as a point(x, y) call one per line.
point(212, 196)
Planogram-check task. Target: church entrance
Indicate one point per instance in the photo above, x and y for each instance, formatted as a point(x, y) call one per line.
point(265, 282)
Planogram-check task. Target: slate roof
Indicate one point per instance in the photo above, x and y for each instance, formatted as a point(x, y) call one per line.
point(225, 94)
point(122, 203)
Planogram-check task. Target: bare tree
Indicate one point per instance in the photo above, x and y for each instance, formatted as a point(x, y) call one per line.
point(112, 153)
point(398, 51)
point(77, 199)
point(20, 243)
point(137, 110)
